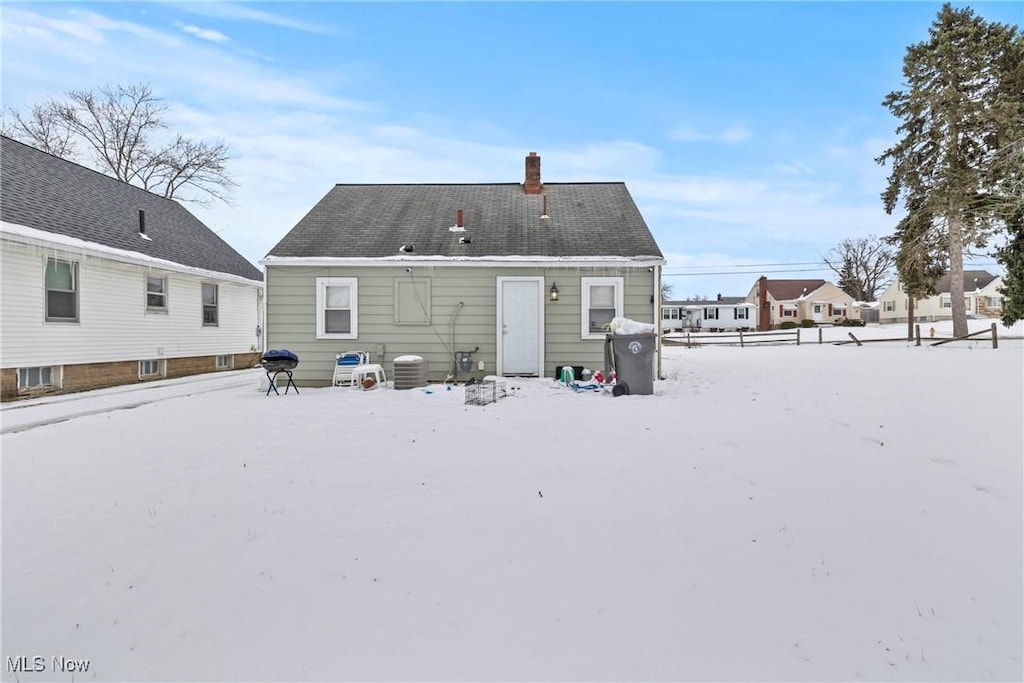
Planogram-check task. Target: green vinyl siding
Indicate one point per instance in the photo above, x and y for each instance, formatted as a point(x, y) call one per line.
point(291, 316)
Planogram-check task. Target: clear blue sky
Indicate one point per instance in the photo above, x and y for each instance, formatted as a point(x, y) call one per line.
point(746, 132)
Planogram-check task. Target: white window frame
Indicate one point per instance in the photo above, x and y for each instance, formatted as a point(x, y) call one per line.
point(585, 284)
point(322, 283)
point(888, 306)
point(741, 313)
point(225, 362)
point(75, 290)
point(838, 310)
point(216, 303)
point(55, 378)
point(159, 371)
point(711, 313)
point(150, 308)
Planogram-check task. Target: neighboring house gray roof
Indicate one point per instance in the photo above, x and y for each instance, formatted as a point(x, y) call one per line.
point(790, 290)
point(41, 191)
point(500, 219)
point(973, 279)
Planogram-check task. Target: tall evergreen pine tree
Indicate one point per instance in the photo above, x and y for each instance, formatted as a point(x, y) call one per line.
point(961, 117)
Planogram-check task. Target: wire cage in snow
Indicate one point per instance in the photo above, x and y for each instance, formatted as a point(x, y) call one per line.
point(484, 393)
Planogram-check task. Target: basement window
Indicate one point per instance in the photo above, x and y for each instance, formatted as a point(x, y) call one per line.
point(38, 379)
point(151, 369)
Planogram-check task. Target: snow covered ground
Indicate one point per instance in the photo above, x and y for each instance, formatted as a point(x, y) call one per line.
point(800, 513)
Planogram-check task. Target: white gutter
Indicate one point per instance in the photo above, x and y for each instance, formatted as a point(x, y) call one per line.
point(32, 237)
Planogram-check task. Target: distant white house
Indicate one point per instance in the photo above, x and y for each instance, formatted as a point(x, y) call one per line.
point(981, 298)
point(103, 283)
point(711, 315)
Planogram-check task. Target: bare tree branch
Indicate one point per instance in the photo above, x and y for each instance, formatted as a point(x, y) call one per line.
point(120, 127)
point(864, 266)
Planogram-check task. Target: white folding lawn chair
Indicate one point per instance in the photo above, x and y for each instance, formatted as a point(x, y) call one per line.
point(345, 363)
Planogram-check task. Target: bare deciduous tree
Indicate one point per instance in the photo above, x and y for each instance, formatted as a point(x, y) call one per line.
point(122, 128)
point(863, 265)
point(41, 128)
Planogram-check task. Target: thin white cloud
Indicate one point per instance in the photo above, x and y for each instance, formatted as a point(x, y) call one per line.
point(235, 12)
point(731, 135)
point(210, 34)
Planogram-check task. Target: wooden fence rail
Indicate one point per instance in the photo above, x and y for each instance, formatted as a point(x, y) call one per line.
point(741, 338)
point(993, 331)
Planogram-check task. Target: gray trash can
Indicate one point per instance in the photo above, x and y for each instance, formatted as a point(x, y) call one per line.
point(633, 356)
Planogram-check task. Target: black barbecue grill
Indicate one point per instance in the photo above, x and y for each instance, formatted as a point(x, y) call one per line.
point(274, 363)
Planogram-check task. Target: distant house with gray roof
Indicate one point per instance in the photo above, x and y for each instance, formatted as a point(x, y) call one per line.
point(104, 283)
point(476, 279)
point(982, 298)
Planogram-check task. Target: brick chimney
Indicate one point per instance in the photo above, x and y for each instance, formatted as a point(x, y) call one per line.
point(458, 218)
point(764, 317)
point(532, 184)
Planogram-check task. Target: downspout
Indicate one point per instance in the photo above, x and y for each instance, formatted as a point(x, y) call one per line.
point(657, 316)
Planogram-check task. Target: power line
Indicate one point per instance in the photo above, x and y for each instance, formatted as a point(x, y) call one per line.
point(758, 265)
point(747, 272)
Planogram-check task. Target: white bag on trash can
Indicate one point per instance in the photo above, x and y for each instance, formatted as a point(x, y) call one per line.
point(629, 326)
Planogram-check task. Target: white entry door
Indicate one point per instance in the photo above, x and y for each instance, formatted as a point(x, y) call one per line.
point(817, 312)
point(521, 326)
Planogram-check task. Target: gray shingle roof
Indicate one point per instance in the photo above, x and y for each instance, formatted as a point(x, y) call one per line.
point(47, 193)
point(973, 279)
point(373, 221)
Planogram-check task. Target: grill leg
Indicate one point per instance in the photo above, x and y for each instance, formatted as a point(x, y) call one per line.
point(272, 387)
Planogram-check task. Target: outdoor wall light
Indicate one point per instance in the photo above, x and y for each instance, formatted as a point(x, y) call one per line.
point(553, 294)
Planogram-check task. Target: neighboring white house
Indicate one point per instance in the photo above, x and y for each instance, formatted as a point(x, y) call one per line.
point(103, 283)
point(981, 297)
point(711, 315)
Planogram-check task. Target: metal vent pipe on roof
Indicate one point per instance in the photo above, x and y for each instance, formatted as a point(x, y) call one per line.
point(142, 221)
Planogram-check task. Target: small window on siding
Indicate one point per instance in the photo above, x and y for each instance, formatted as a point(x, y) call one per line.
point(156, 294)
point(412, 302)
point(61, 290)
point(210, 312)
point(337, 307)
point(225, 362)
point(38, 379)
point(889, 306)
point(601, 300)
point(151, 369)
point(741, 313)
